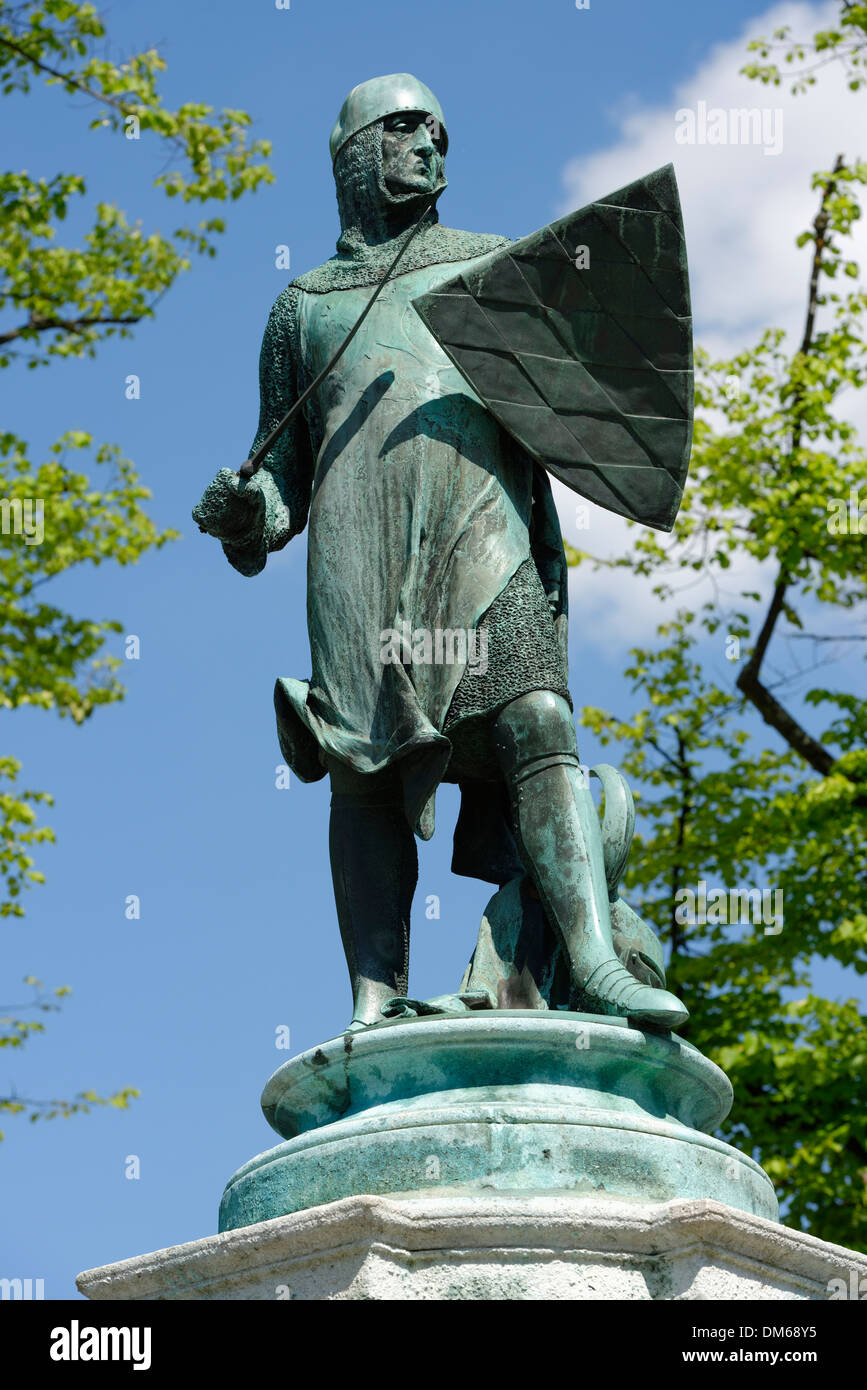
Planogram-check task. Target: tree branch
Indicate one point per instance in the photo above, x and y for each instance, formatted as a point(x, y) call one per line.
point(39, 323)
point(821, 637)
point(749, 682)
point(820, 226)
point(779, 718)
point(62, 76)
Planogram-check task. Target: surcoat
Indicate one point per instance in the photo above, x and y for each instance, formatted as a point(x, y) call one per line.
point(420, 510)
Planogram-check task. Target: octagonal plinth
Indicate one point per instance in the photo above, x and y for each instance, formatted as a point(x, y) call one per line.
point(511, 1102)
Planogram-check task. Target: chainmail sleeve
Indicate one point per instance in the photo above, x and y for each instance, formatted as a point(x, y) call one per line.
point(286, 475)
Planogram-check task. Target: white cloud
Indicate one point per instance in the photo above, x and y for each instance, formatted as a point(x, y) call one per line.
point(742, 211)
point(619, 608)
point(742, 208)
point(611, 607)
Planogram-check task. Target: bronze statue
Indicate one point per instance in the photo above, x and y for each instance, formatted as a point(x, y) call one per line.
point(437, 581)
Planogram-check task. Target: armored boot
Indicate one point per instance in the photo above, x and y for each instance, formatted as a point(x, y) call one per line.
point(374, 868)
point(559, 837)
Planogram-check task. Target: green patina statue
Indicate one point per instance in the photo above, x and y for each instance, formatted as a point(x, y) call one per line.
point(437, 581)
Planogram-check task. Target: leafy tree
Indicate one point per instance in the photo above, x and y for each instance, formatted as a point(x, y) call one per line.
point(845, 43)
point(720, 810)
point(64, 301)
point(777, 482)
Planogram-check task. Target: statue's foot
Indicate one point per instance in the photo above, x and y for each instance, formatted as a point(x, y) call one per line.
point(364, 1016)
point(612, 985)
point(355, 1025)
point(368, 1001)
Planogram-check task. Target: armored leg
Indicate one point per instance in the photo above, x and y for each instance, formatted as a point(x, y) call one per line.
point(560, 840)
point(374, 868)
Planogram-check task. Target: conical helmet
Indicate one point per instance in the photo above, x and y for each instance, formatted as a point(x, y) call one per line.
point(380, 97)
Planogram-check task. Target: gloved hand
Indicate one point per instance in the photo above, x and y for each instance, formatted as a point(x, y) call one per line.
point(232, 508)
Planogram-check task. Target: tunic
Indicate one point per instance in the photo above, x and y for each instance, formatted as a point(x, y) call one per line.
point(422, 512)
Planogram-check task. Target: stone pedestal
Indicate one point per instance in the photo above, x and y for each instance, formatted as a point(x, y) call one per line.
point(493, 1247)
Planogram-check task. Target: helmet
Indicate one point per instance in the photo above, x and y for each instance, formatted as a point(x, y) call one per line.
point(380, 97)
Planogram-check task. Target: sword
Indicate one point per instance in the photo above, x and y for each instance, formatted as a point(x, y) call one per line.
point(252, 465)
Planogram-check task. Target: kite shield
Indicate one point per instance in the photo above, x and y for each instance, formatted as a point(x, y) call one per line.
point(578, 339)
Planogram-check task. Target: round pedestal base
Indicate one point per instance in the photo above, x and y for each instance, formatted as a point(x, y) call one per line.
point(509, 1102)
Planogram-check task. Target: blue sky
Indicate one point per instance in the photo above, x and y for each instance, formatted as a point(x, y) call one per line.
point(171, 795)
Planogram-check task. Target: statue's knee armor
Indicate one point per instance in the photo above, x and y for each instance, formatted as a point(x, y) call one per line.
point(534, 732)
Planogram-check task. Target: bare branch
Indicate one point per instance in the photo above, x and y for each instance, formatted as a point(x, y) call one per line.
point(821, 637)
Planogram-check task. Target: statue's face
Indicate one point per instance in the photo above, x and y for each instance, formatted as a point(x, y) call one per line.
point(411, 149)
